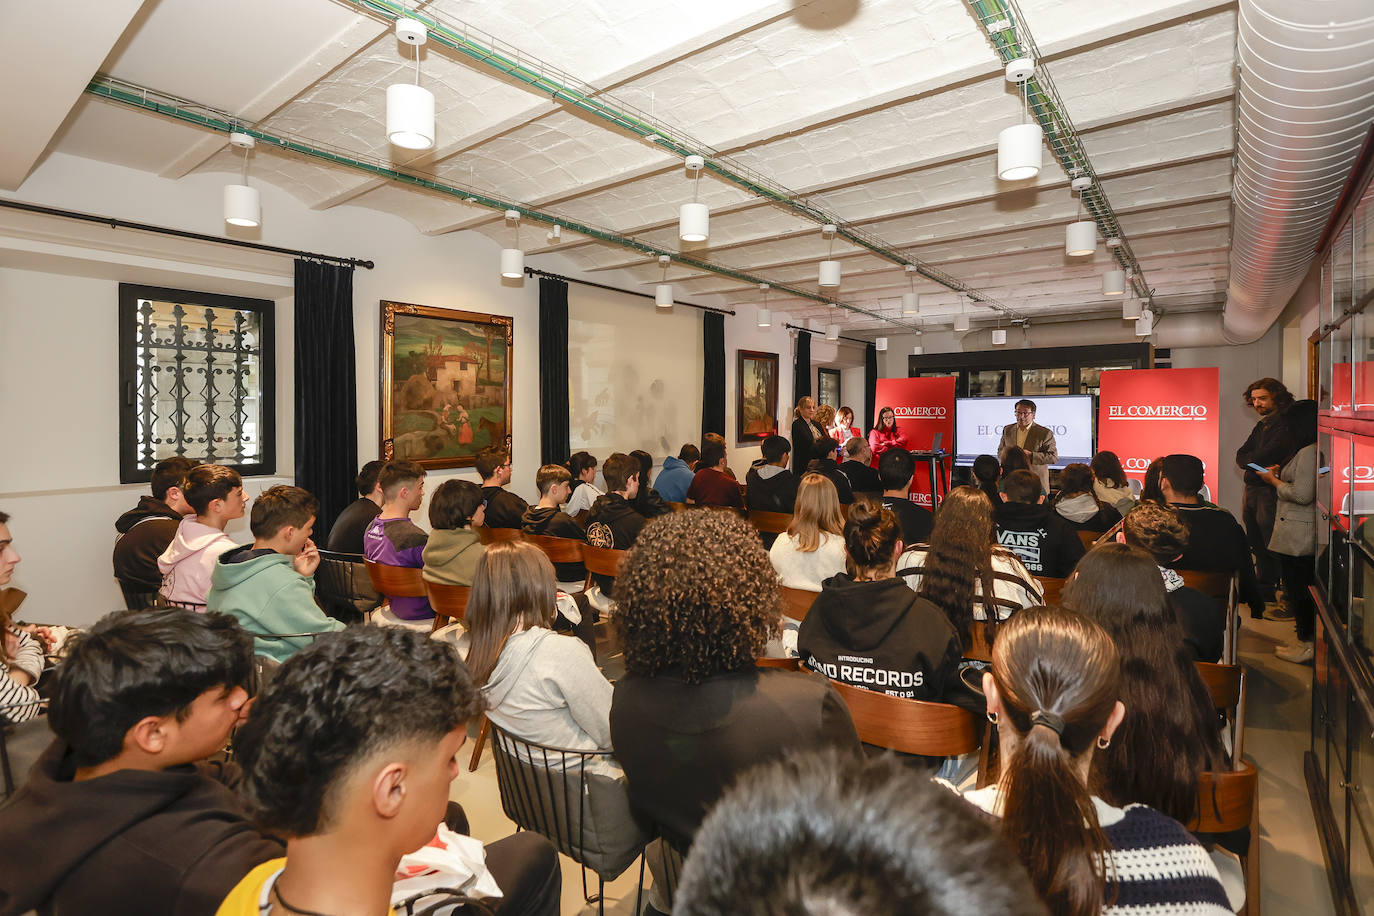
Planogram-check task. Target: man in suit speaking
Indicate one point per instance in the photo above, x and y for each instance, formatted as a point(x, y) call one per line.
point(1036, 441)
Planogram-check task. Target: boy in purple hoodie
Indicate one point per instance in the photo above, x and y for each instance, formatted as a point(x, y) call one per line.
point(215, 493)
point(393, 538)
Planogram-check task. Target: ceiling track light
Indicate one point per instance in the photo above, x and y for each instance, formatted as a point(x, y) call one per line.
point(1020, 147)
point(694, 219)
point(410, 107)
point(1114, 283)
point(829, 275)
point(242, 204)
point(513, 259)
point(663, 294)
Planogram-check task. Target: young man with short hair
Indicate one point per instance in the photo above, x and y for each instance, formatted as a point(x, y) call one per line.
point(554, 482)
point(504, 508)
point(215, 493)
point(347, 534)
point(147, 529)
point(1036, 441)
point(896, 469)
point(769, 485)
point(863, 480)
point(392, 538)
point(120, 815)
point(613, 521)
point(349, 754)
point(270, 587)
point(672, 482)
point(1030, 528)
point(711, 485)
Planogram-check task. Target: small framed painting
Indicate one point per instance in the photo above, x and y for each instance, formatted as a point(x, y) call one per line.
point(756, 404)
point(828, 387)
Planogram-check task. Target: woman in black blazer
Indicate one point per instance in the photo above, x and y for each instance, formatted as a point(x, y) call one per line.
point(808, 440)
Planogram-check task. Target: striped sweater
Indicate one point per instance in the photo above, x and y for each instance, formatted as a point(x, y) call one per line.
point(1013, 587)
point(28, 658)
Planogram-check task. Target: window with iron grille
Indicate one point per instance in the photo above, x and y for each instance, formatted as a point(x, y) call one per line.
point(196, 378)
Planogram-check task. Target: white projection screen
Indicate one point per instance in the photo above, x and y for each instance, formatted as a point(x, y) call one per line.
point(978, 425)
point(634, 374)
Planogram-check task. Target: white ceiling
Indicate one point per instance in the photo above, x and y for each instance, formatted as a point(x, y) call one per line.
point(885, 112)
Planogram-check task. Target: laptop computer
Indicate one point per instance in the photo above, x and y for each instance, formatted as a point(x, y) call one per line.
point(935, 443)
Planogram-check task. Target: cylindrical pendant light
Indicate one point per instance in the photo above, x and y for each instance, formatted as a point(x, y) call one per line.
point(829, 274)
point(1131, 309)
point(911, 304)
point(242, 205)
point(961, 322)
point(512, 263)
point(663, 295)
point(765, 318)
point(694, 222)
point(1114, 283)
point(1145, 324)
point(832, 332)
point(881, 344)
point(1080, 237)
point(917, 350)
point(1018, 152)
point(409, 116)
point(999, 336)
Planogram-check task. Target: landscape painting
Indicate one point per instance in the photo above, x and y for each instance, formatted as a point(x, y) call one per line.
point(756, 408)
point(445, 386)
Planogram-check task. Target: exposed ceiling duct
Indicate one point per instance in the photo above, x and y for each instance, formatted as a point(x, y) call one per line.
point(1305, 102)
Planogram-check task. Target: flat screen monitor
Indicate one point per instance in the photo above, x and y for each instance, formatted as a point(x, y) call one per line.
point(978, 425)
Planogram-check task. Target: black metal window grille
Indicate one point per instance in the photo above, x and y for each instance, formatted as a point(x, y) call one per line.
point(196, 378)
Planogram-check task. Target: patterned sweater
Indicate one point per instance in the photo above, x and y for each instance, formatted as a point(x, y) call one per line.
point(28, 658)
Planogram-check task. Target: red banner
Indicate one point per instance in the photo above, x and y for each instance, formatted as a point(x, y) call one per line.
point(924, 407)
point(1144, 414)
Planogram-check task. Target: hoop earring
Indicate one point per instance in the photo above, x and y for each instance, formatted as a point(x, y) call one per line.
point(992, 717)
point(1103, 743)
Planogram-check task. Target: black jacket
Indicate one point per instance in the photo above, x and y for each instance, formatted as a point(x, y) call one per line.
point(140, 843)
point(806, 445)
point(1271, 442)
point(556, 523)
point(1044, 541)
point(145, 531)
point(682, 745)
point(861, 477)
point(649, 503)
point(1217, 543)
point(828, 468)
point(347, 534)
point(916, 521)
point(504, 508)
point(613, 522)
point(1203, 620)
point(776, 493)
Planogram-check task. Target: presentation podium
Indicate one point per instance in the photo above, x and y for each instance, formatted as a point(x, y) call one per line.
point(937, 476)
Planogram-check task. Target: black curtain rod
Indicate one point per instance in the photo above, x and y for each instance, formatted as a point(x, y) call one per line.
point(536, 272)
point(797, 327)
point(114, 223)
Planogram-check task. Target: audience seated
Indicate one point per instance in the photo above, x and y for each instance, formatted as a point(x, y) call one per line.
point(582, 467)
point(504, 508)
point(1045, 542)
point(147, 529)
point(21, 651)
point(539, 685)
point(1052, 692)
point(120, 815)
point(672, 482)
point(270, 587)
point(647, 501)
point(987, 474)
point(1217, 541)
point(885, 434)
point(868, 630)
point(693, 711)
point(964, 569)
point(613, 522)
point(712, 439)
point(789, 837)
point(711, 486)
point(896, 470)
point(392, 538)
point(863, 479)
point(1157, 530)
point(347, 534)
point(769, 485)
point(348, 754)
point(215, 494)
point(1015, 460)
point(812, 550)
point(1169, 735)
point(453, 549)
point(1149, 485)
point(1078, 504)
point(1110, 483)
point(546, 518)
point(828, 469)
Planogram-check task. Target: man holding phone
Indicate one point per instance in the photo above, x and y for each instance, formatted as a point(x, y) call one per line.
point(1269, 444)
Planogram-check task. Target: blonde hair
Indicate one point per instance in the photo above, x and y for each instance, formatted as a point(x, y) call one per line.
point(817, 509)
point(825, 415)
point(512, 589)
point(805, 401)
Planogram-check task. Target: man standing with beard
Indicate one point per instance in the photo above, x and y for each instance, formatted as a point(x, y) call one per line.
point(1269, 444)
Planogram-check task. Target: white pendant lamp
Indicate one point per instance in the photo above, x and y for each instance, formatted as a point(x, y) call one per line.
point(1145, 324)
point(999, 336)
point(881, 344)
point(1114, 283)
point(765, 318)
point(911, 301)
point(513, 259)
point(663, 293)
point(242, 204)
point(829, 275)
point(1131, 309)
point(1080, 238)
point(1019, 147)
point(410, 107)
point(832, 332)
point(917, 350)
point(694, 219)
point(961, 322)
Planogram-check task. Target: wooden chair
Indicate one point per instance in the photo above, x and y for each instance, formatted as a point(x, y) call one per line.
point(1228, 801)
point(450, 602)
point(796, 602)
point(1227, 688)
point(978, 648)
point(911, 726)
point(770, 522)
point(1051, 587)
point(602, 561)
point(1224, 587)
point(558, 550)
point(493, 535)
point(1089, 538)
point(787, 664)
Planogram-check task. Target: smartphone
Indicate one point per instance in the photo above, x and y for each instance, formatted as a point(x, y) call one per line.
point(1255, 467)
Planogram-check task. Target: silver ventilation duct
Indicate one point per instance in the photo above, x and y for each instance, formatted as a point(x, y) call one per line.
point(1305, 102)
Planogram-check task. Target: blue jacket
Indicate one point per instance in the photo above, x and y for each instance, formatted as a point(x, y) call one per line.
point(672, 482)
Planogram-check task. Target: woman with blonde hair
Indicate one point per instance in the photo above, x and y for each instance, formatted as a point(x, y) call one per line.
point(809, 439)
point(842, 430)
point(812, 550)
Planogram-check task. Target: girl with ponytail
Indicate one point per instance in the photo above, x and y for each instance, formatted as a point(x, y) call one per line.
point(1052, 693)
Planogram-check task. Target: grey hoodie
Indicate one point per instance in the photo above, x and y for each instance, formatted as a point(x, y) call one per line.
point(1078, 508)
point(547, 689)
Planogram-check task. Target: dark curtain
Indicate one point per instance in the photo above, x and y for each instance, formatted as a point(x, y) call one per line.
point(326, 392)
point(870, 386)
point(801, 369)
point(554, 424)
point(713, 373)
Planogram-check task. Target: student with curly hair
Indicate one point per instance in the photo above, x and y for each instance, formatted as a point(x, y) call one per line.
point(698, 601)
point(1158, 531)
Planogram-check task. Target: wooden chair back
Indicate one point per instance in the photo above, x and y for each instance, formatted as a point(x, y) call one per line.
point(558, 550)
point(1051, 587)
point(1226, 686)
point(493, 535)
point(796, 602)
point(978, 648)
point(450, 602)
point(1225, 800)
point(787, 664)
point(603, 561)
point(1089, 538)
point(770, 522)
point(1212, 584)
point(911, 726)
point(395, 581)
point(1224, 587)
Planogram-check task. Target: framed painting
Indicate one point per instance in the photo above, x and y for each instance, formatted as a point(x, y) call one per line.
point(828, 387)
point(756, 404)
point(445, 391)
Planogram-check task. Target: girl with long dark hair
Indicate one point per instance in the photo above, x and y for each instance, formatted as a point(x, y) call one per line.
point(1110, 482)
point(885, 434)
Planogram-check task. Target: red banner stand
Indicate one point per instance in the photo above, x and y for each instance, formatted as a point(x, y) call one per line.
point(924, 407)
point(1144, 414)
